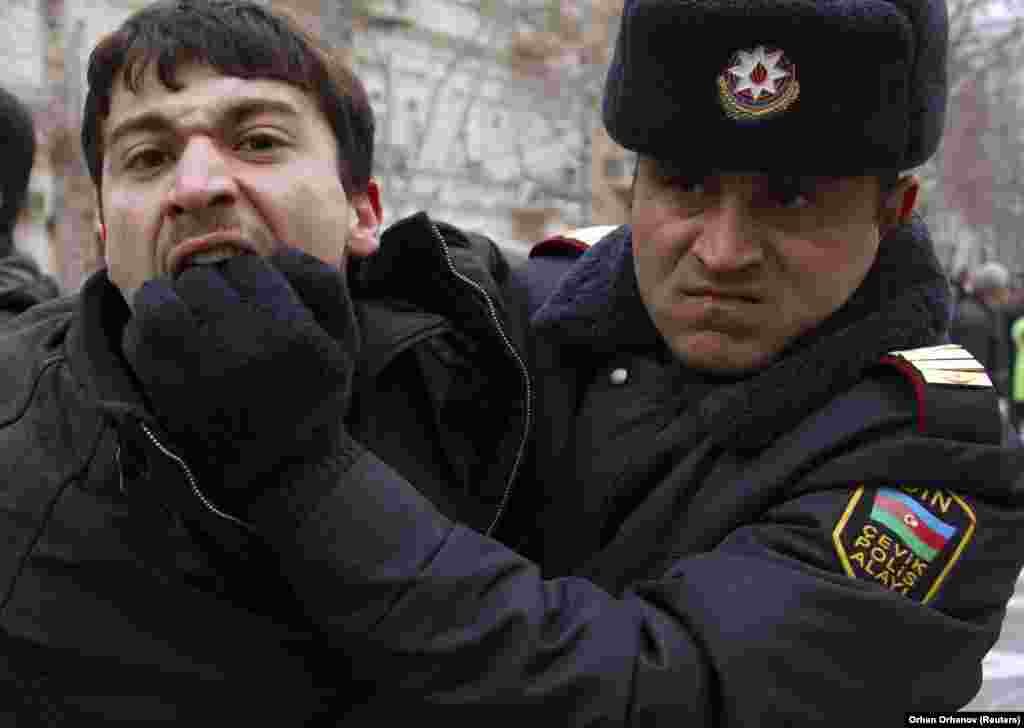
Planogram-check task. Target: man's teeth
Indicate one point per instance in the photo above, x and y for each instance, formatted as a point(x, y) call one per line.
point(213, 255)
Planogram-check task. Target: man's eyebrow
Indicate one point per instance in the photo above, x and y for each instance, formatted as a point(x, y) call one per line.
point(234, 111)
point(149, 122)
point(245, 107)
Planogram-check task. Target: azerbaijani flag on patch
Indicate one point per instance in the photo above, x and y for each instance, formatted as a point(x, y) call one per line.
point(922, 531)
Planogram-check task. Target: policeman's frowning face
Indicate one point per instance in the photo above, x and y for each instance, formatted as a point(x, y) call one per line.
point(732, 267)
point(221, 166)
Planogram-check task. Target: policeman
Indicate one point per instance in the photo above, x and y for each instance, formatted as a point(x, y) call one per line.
point(769, 496)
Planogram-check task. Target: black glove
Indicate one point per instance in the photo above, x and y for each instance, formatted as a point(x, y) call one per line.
point(247, 364)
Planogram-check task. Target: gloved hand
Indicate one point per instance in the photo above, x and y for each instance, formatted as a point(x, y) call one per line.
point(247, 363)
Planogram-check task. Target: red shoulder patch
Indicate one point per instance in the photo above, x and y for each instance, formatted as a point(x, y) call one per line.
point(558, 246)
point(571, 243)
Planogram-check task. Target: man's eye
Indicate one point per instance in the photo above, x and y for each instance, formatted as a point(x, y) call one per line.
point(145, 159)
point(796, 201)
point(259, 143)
point(693, 186)
point(688, 184)
point(791, 193)
point(682, 180)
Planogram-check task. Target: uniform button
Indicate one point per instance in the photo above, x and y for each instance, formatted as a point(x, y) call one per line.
point(618, 376)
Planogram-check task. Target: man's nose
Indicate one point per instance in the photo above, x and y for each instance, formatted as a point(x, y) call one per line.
point(202, 179)
point(728, 240)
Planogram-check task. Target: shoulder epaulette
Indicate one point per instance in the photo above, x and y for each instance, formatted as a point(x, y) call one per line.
point(955, 397)
point(571, 242)
point(945, 364)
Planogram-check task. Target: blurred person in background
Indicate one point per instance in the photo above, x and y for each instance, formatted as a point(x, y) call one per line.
point(22, 283)
point(961, 282)
point(1013, 313)
point(1017, 396)
point(979, 324)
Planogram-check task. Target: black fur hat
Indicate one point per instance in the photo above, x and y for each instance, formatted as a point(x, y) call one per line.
point(17, 152)
point(830, 87)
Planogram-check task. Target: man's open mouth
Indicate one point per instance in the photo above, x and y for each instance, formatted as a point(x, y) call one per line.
point(212, 255)
point(207, 250)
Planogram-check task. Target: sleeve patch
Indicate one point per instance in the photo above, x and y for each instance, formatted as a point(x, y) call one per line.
point(905, 539)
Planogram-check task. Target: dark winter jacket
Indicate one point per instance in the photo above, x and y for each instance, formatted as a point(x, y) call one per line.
point(128, 596)
point(728, 586)
point(22, 285)
point(831, 541)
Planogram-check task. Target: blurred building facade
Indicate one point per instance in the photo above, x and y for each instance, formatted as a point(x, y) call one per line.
point(487, 112)
point(488, 116)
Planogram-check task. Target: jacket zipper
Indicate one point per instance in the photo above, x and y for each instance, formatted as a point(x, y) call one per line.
point(192, 481)
point(493, 312)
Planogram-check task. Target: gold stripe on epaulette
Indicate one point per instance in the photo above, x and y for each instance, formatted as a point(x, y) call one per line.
point(946, 364)
point(963, 379)
point(942, 351)
point(589, 235)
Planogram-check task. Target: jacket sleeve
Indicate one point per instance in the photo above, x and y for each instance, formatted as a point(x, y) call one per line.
point(765, 629)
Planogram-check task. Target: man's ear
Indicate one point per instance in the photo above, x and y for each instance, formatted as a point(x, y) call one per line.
point(362, 234)
point(100, 230)
point(898, 205)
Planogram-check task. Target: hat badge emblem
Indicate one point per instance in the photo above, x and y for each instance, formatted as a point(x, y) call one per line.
point(757, 84)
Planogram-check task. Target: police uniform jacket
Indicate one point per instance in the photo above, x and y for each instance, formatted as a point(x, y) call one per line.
point(830, 541)
point(127, 595)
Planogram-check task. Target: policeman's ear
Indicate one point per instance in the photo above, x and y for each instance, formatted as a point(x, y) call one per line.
point(366, 217)
point(899, 202)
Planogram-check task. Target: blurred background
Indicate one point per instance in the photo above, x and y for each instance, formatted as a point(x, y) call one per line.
point(488, 116)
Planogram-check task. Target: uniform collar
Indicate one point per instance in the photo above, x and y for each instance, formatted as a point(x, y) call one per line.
point(598, 304)
point(902, 304)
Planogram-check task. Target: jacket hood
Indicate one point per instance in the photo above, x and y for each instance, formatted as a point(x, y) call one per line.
point(903, 303)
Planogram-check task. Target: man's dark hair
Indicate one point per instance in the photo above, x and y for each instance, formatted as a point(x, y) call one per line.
point(236, 38)
point(18, 151)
